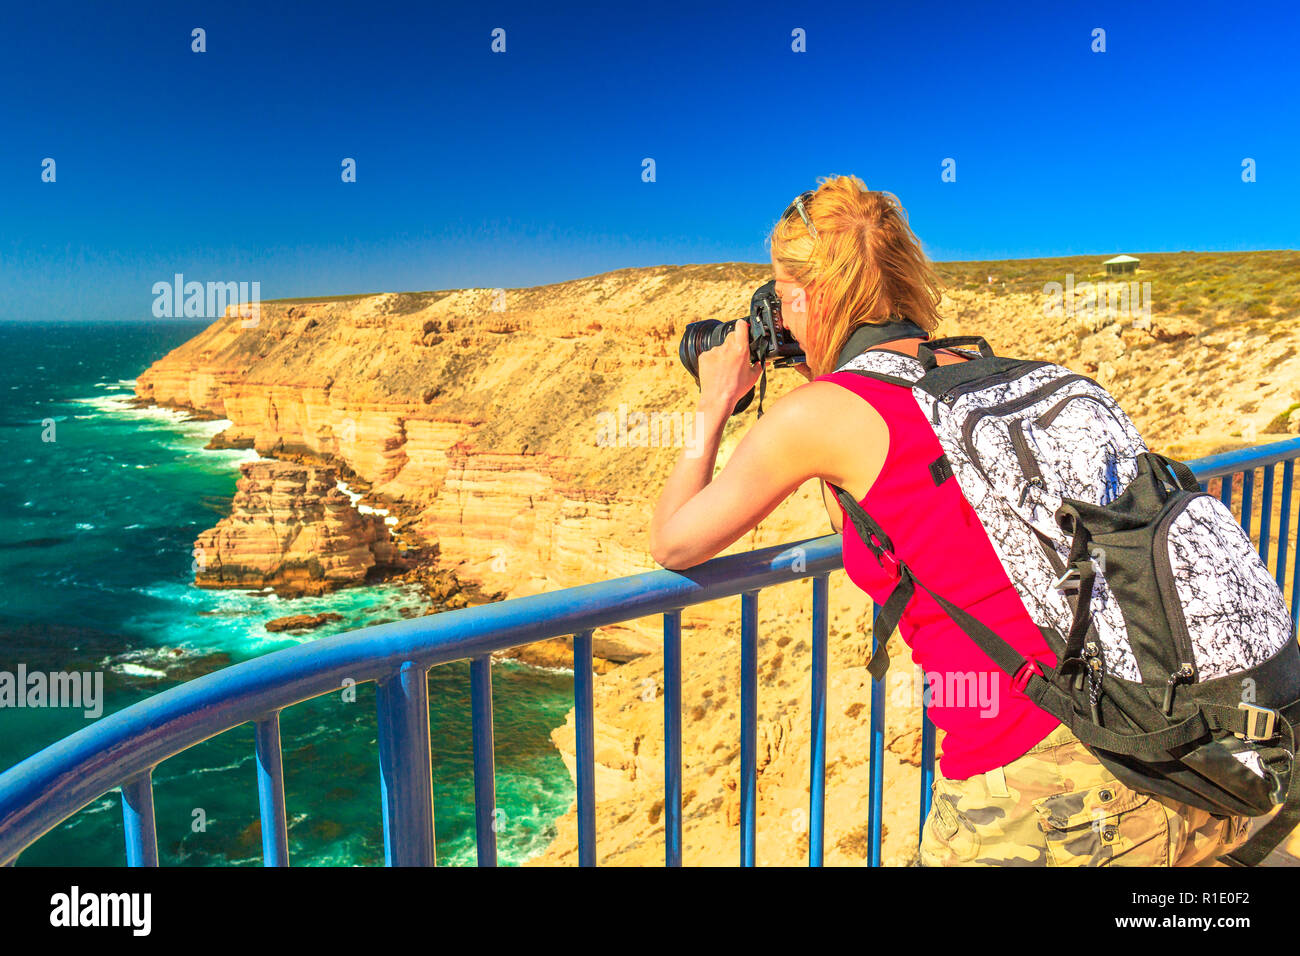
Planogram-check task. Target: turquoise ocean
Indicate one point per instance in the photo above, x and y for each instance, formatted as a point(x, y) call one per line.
point(96, 535)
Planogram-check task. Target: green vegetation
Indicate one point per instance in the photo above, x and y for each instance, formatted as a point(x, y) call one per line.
point(1262, 284)
point(1278, 424)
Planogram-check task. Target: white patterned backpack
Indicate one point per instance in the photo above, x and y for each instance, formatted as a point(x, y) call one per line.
point(1177, 665)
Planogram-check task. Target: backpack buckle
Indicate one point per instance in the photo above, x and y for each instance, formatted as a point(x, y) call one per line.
point(892, 570)
point(1260, 723)
point(1027, 670)
point(1060, 583)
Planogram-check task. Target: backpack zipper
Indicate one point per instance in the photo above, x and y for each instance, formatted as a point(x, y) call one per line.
point(1028, 465)
point(1185, 674)
point(951, 395)
point(1049, 416)
point(1096, 669)
point(1029, 398)
point(1186, 671)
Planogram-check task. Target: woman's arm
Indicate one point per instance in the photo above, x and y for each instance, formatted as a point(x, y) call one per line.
point(696, 518)
point(699, 516)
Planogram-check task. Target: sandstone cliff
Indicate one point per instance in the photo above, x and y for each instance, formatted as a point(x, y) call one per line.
point(510, 430)
point(293, 529)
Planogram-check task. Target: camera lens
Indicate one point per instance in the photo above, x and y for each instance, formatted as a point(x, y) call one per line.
point(700, 337)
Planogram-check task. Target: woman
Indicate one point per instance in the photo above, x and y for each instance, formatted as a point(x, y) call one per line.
point(1014, 785)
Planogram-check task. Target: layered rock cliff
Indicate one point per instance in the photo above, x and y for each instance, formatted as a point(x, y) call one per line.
point(526, 434)
point(291, 528)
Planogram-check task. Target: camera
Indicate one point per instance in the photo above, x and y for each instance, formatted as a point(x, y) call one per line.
point(768, 338)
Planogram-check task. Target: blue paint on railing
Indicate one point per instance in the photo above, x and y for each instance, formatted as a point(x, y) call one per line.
point(406, 766)
point(818, 668)
point(748, 725)
point(876, 767)
point(485, 786)
point(672, 738)
point(138, 819)
point(585, 747)
point(121, 750)
point(927, 768)
point(270, 792)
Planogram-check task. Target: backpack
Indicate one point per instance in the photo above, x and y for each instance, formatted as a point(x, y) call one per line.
point(1177, 666)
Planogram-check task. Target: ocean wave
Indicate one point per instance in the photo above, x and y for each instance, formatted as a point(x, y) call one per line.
point(123, 406)
point(135, 670)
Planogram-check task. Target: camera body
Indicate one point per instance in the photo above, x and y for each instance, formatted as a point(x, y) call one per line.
point(769, 339)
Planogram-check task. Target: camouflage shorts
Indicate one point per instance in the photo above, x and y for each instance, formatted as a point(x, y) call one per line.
point(1058, 806)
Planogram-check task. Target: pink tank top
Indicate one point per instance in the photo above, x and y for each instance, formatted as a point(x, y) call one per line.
point(986, 722)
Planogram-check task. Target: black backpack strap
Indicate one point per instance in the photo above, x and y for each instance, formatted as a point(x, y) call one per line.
point(881, 377)
point(880, 545)
point(872, 535)
point(1079, 565)
point(925, 350)
point(1179, 474)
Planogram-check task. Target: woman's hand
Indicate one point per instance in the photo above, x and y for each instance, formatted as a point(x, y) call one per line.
point(726, 373)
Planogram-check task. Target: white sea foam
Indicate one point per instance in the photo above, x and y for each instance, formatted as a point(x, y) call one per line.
point(135, 670)
point(355, 496)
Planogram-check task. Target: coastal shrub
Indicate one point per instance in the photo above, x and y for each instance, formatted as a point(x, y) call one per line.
point(1278, 424)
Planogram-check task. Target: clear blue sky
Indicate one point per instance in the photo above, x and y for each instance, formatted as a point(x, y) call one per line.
point(516, 169)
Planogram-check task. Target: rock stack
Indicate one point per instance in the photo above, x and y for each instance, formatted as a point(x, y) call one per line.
point(292, 529)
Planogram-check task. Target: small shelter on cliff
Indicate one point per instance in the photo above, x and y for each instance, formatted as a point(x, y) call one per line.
point(1120, 265)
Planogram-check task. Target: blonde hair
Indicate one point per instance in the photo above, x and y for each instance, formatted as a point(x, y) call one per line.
point(865, 266)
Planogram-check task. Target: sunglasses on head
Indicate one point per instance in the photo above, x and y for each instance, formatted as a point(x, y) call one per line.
point(798, 205)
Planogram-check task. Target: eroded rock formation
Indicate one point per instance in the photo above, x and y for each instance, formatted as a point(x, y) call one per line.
point(292, 529)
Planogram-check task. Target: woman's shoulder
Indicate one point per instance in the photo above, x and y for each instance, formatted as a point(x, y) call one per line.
point(823, 413)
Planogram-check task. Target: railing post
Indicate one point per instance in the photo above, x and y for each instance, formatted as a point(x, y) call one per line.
point(1284, 521)
point(876, 785)
point(673, 738)
point(1225, 489)
point(1247, 498)
point(270, 792)
point(927, 766)
point(406, 767)
point(585, 747)
point(138, 818)
point(1295, 592)
point(1266, 513)
point(485, 786)
point(817, 757)
point(748, 724)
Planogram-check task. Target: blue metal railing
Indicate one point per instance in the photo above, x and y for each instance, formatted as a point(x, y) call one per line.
point(122, 750)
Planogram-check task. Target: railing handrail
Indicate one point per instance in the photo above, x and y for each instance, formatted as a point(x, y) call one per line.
point(85, 765)
point(53, 784)
point(1256, 456)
